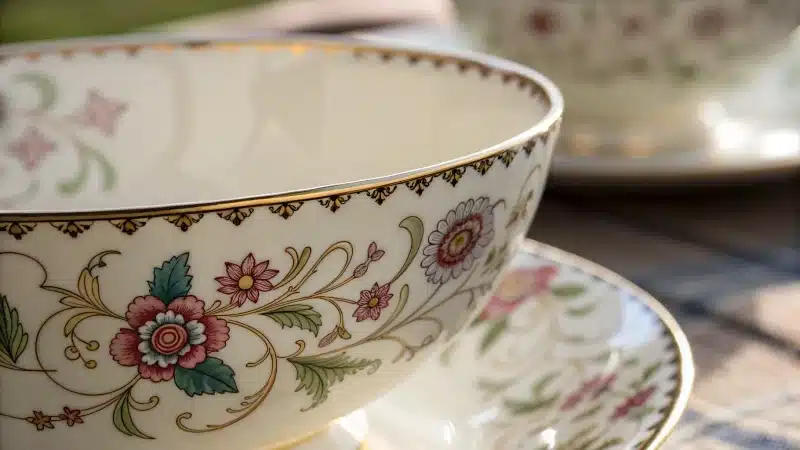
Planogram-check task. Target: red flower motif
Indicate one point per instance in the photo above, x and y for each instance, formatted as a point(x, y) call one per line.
point(71, 416)
point(161, 336)
point(31, 148)
point(100, 112)
point(594, 388)
point(515, 288)
point(246, 281)
point(372, 302)
point(635, 401)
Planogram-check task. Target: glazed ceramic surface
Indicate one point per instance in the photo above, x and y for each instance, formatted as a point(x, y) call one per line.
point(231, 244)
point(566, 356)
point(633, 67)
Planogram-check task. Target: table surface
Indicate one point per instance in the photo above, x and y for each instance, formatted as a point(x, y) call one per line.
point(726, 262)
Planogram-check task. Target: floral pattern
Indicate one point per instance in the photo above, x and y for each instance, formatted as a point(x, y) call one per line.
point(172, 334)
point(459, 240)
point(675, 40)
point(161, 342)
point(31, 148)
point(515, 288)
point(43, 127)
point(597, 387)
point(95, 126)
point(100, 112)
point(246, 281)
point(372, 302)
point(162, 336)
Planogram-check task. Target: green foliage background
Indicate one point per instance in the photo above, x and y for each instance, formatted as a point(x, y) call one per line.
point(24, 20)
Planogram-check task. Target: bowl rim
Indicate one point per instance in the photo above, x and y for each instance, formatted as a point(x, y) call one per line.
point(132, 43)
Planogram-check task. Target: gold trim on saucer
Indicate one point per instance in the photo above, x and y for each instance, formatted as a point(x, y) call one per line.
point(684, 377)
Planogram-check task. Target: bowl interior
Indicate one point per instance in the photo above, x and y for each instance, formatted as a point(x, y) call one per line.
point(128, 126)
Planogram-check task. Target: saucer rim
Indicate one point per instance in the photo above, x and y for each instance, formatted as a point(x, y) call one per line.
point(683, 358)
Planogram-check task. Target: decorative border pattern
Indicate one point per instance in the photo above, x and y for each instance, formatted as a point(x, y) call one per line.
point(184, 219)
point(130, 220)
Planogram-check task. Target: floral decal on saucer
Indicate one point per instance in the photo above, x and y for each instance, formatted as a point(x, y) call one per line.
point(555, 368)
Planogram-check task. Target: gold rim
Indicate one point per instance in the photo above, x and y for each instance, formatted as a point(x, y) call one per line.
point(526, 78)
point(684, 377)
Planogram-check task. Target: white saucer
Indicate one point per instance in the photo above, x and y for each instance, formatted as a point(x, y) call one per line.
point(568, 355)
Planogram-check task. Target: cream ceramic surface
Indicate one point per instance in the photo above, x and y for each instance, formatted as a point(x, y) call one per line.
point(567, 355)
point(254, 305)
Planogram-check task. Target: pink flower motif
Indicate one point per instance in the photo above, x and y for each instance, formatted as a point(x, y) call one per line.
point(372, 302)
point(100, 112)
point(635, 401)
point(246, 281)
point(594, 388)
point(31, 148)
point(515, 288)
point(71, 416)
point(161, 336)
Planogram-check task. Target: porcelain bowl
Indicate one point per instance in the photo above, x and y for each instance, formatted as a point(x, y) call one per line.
point(215, 245)
point(628, 65)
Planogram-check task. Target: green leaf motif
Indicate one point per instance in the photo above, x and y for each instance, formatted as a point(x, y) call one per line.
point(582, 311)
point(123, 420)
point(543, 383)
point(211, 376)
point(172, 279)
point(568, 291)
point(48, 93)
point(13, 338)
point(591, 412)
point(416, 231)
point(492, 335)
point(649, 371)
point(81, 177)
point(610, 443)
point(516, 407)
point(317, 374)
point(299, 316)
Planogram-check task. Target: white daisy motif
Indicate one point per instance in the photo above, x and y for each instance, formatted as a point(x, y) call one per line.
point(459, 240)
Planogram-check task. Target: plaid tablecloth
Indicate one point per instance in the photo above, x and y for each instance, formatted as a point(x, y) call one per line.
point(726, 262)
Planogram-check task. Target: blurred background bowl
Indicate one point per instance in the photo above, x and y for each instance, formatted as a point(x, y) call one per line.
point(633, 67)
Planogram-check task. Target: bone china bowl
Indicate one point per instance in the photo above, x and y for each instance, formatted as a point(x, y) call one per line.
point(634, 65)
point(216, 245)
